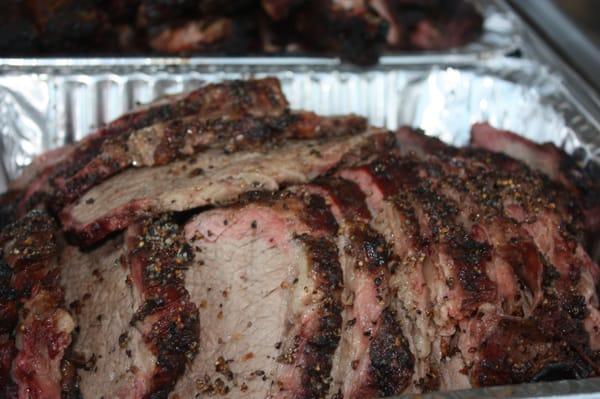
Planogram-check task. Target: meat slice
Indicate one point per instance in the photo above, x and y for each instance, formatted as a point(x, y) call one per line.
point(548, 159)
point(521, 212)
point(35, 345)
point(162, 143)
point(429, 24)
point(447, 267)
point(114, 361)
point(211, 178)
point(83, 167)
point(267, 281)
point(211, 34)
point(158, 256)
point(373, 358)
point(135, 327)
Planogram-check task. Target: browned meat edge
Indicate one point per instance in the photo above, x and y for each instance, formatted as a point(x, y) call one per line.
point(550, 160)
point(84, 168)
point(30, 296)
point(390, 361)
point(307, 161)
point(491, 179)
point(163, 143)
point(310, 352)
point(169, 322)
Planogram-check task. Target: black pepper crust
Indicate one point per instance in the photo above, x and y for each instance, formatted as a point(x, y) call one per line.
point(347, 196)
point(412, 180)
point(551, 342)
point(392, 363)
point(29, 248)
point(186, 136)
point(159, 255)
point(317, 353)
point(105, 154)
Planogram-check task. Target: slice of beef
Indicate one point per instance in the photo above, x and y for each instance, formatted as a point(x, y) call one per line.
point(34, 344)
point(540, 243)
point(158, 256)
point(113, 359)
point(450, 264)
point(82, 168)
point(351, 31)
point(211, 178)
point(373, 358)
point(223, 35)
point(267, 281)
point(429, 25)
point(164, 142)
point(135, 327)
point(548, 159)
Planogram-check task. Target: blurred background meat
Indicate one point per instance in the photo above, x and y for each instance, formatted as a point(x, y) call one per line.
point(355, 30)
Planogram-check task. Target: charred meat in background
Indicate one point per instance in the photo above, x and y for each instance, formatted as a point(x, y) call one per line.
point(357, 31)
point(18, 33)
point(429, 24)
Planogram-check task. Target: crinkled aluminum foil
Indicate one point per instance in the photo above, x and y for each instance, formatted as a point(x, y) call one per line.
point(43, 111)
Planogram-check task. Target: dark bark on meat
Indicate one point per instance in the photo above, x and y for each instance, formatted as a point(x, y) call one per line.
point(31, 296)
point(158, 256)
point(429, 25)
point(104, 153)
point(356, 35)
point(18, 34)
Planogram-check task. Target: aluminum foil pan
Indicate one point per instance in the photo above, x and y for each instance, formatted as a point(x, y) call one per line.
point(501, 36)
point(444, 96)
point(39, 112)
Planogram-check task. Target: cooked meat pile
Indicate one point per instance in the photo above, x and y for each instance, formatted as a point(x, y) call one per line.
point(218, 244)
point(356, 30)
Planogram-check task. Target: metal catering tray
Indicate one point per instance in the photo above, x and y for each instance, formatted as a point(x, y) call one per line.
point(500, 36)
point(49, 102)
point(444, 96)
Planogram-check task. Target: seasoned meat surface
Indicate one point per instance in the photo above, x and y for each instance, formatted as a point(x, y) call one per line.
point(219, 244)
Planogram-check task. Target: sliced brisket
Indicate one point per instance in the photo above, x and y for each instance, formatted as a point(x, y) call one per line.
point(550, 160)
point(267, 282)
point(533, 227)
point(101, 154)
point(111, 354)
point(373, 358)
point(210, 178)
point(35, 343)
point(158, 257)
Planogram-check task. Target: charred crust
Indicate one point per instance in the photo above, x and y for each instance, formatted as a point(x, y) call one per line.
point(29, 248)
point(317, 214)
point(347, 195)
point(159, 254)
point(317, 352)
point(392, 363)
point(107, 153)
point(369, 248)
point(412, 185)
